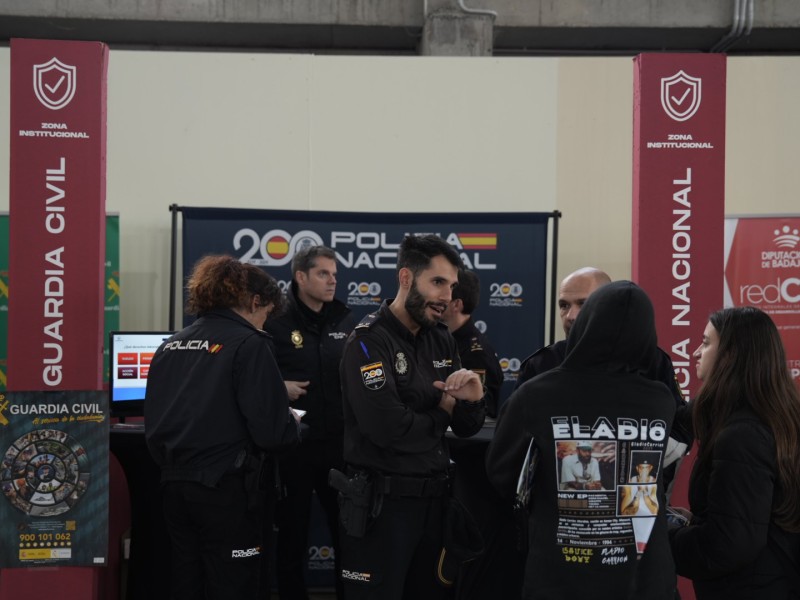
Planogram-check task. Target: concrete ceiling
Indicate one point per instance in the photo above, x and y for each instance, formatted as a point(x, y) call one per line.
point(521, 27)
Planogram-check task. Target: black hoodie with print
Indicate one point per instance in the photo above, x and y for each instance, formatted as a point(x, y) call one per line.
point(596, 526)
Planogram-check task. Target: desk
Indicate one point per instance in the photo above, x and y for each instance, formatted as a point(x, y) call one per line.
point(499, 571)
point(496, 574)
point(149, 562)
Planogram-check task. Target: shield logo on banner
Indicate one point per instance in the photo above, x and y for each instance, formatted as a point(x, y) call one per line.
point(681, 95)
point(54, 83)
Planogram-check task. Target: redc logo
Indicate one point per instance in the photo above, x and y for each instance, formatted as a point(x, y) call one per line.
point(787, 290)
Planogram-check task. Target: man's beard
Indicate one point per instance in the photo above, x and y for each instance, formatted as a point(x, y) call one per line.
point(415, 307)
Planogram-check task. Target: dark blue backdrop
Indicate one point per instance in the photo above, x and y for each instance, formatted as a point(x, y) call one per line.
point(508, 251)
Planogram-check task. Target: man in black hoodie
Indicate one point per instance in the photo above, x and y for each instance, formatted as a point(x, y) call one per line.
point(579, 540)
point(574, 291)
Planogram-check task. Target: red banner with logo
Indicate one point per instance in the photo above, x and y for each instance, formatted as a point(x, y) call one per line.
point(678, 196)
point(762, 269)
point(57, 214)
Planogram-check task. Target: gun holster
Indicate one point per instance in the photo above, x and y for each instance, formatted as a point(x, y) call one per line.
point(357, 501)
point(255, 468)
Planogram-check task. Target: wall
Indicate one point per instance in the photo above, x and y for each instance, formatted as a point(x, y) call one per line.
point(403, 134)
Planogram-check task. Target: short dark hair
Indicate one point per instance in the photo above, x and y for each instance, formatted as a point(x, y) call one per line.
point(468, 290)
point(417, 251)
point(306, 259)
point(221, 281)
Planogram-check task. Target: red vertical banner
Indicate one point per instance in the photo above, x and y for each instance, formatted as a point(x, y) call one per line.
point(762, 269)
point(678, 196)
point(57, 214)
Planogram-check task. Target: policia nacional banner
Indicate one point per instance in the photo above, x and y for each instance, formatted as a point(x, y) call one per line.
point(508, 251)
point(679, 196)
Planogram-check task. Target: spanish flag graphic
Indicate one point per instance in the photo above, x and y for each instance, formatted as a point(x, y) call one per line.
point(478, 241)
point(277, 246)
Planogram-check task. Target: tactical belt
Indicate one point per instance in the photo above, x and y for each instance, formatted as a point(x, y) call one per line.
point(415, 487)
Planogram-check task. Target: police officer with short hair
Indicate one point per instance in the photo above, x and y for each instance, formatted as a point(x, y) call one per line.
point(215, 403)
point(403, 387)
point(309, 338)
point(474, 348)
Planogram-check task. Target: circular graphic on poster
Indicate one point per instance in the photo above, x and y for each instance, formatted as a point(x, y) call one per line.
point(45, 473)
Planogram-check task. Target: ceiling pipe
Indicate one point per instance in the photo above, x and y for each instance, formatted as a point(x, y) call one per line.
point(743, 14)
point(477, 11)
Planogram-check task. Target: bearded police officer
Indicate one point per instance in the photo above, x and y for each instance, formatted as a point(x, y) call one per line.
point(403, 386)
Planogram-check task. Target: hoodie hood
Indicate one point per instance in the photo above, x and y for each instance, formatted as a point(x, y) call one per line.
point(615, 330)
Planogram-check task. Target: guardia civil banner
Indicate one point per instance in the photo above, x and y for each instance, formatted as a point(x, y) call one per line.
point(112, 287)
point(112, 290)
point(3, 300)
point(508, 251)
point(762, 269)
point(57, 200)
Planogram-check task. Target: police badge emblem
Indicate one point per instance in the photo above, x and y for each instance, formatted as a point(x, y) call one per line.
point(297, 339)
point(400, 363)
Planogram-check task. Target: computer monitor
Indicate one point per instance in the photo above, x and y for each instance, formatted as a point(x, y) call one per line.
point(130, 354)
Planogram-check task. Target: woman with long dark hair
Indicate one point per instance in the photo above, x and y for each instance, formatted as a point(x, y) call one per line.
point(743, 537)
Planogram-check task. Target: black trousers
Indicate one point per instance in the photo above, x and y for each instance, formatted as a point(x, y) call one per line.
point(398, 557)
point(303, 472)
point(216, 540)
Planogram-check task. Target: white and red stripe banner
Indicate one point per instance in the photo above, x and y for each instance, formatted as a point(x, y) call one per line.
point(678, 196)
point(57, 214)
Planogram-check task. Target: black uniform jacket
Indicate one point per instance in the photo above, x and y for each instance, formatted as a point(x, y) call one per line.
point(591, 542)
point(478, 355)
point(308, 347)
point(213, 390)
point(732, 548)
point(392, 421)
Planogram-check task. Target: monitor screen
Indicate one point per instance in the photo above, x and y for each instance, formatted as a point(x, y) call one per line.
point(130, 354)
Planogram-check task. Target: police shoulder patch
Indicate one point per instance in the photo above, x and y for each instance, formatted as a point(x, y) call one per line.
point(373, 375)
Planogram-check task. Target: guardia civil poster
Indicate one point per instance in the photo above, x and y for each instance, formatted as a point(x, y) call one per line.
point(54, 479)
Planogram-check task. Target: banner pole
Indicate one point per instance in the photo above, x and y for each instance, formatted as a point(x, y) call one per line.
point(173, 260)
point(554, 276)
